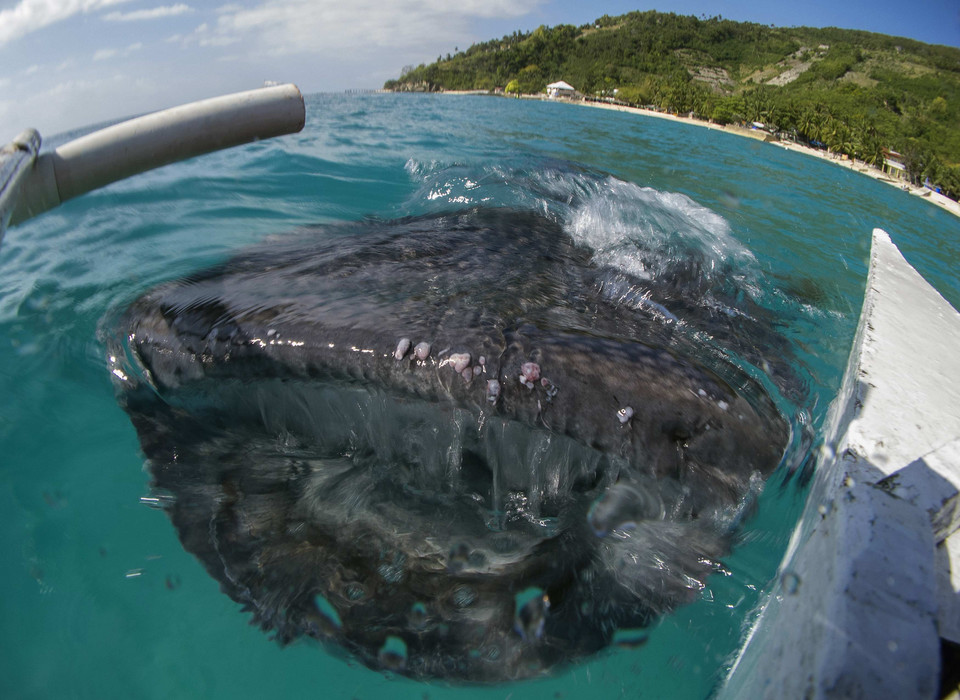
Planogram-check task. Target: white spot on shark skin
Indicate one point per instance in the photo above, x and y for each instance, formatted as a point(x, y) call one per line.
point(402, 348)
point(459, 360)
point(493, 390)
point(625, 414)
point(422, 351)
point(529, 373)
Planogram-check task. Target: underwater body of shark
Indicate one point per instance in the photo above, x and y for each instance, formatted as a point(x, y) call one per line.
point(454, 446)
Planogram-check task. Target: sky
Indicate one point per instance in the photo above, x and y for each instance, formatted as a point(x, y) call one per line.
point(65, 64)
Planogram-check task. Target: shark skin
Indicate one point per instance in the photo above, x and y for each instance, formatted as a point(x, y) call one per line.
point(439, 446)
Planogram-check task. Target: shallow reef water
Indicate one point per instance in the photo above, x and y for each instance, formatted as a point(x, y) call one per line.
point(681, 301)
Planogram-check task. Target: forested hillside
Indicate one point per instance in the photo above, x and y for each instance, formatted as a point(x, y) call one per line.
point(854, 92)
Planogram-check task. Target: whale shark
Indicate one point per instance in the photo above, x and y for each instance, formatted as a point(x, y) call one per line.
point(451, 446)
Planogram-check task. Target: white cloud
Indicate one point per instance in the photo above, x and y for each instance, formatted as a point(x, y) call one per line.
point(30, 15)
point(278, 27)
point(105, 54)
point(320, 44)
point(204, 37)
point(70, 103)
point(153, 13)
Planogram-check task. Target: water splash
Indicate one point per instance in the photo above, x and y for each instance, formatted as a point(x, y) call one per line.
point(657, 239)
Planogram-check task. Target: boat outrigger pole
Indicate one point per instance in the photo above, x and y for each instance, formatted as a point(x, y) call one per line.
point(33, 182)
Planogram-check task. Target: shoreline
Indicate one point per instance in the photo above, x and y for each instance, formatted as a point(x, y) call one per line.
point(870, 171)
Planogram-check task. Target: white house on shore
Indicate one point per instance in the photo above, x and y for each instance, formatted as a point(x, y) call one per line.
point(893, 164)
point(560, 89)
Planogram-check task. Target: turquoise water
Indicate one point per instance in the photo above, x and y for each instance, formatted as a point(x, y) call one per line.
point(99, 598)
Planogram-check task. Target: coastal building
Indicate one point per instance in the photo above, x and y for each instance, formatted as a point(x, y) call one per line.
point(893, 164)
point(560, 89)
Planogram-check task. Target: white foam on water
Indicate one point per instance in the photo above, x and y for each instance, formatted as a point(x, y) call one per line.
point(647, 233)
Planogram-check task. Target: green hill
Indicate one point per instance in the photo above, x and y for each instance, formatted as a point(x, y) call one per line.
point(852, 91)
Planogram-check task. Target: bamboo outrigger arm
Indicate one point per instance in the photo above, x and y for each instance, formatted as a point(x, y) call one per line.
point(33, 182)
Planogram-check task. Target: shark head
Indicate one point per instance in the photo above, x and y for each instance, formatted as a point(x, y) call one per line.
point(386, 435)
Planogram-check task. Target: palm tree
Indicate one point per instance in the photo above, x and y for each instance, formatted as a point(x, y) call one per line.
point(870, 146)
point(787, 117)
point(810, 124)
point(838, 137)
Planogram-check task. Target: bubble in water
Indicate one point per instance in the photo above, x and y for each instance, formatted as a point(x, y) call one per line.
point(789, 582)
point(629, 638)
point(418, 615)
point(463, 596)
point(622, 506)
point(392, 571)
point(327, 610)
point(354, 591)
point(393, 654)
point(532, 605)
point(491, 652)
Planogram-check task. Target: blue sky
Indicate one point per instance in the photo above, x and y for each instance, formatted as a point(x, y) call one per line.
point(68, 63)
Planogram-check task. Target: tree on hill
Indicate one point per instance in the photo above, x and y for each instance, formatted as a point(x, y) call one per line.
point(852, 91)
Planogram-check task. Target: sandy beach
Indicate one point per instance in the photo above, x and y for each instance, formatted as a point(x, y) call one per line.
point(855, 165)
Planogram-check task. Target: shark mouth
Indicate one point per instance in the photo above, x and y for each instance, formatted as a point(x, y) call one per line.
point(453, 446)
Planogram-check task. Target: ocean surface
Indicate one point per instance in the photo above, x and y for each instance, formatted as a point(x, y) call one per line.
point(99, 599)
